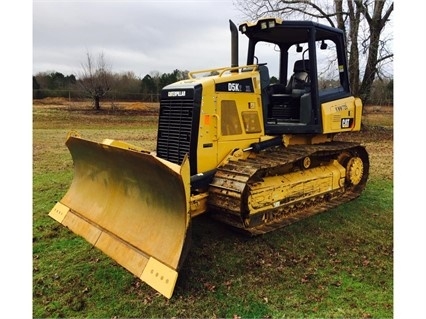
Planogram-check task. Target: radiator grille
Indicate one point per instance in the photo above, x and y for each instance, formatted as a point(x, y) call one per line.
point(174, 129)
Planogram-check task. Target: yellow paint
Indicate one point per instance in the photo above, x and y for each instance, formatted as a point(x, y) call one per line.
point(341, 115)
point(160, 277)
point(131, 212)
point(276, 191)
point(59, 211)
point(229, 120)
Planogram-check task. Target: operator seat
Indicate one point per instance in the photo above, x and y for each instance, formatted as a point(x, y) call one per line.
point(300, 79)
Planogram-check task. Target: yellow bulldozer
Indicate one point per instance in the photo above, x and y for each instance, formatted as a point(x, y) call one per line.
point(252, 154)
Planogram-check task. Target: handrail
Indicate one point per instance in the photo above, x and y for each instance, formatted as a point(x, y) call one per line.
point(221, 71)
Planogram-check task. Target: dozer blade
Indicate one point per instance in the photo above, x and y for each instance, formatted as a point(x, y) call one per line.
point(131, 205)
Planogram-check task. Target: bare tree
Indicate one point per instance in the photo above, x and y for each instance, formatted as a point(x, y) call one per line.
point(376, 16)
point(362, 21)
point(96, 78)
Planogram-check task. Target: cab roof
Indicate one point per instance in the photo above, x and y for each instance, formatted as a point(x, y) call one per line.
point(279, 31)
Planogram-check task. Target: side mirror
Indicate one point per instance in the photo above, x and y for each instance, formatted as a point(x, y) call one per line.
point(299, 48)
point(323, 45)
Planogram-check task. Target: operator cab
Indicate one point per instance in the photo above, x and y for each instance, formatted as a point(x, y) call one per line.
point(310, 70)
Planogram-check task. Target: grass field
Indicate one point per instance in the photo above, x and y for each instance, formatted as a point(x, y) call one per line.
point(336, 264)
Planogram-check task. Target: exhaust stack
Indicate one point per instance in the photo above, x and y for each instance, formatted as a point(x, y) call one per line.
point(234, 44)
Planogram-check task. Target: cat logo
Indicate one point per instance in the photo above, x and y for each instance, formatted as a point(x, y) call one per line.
point(346, 123)
point(176, 93)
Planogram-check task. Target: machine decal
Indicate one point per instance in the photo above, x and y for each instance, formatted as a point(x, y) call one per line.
point(242, 86)
point(235, 87)
point(176, 93)
point(171, 93)
point(347, 122)
point(341, 108)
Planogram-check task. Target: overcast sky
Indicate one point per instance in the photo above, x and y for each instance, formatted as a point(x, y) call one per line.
point(139, 36)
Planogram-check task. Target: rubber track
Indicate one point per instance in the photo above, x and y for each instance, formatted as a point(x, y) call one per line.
point(227, 190)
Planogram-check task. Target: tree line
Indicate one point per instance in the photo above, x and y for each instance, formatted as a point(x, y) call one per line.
point(97, 82)
point(121, 86)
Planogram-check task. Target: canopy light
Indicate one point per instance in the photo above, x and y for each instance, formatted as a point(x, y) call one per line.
point(262, 24)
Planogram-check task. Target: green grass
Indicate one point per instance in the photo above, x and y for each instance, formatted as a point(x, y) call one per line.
point(335, 264)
